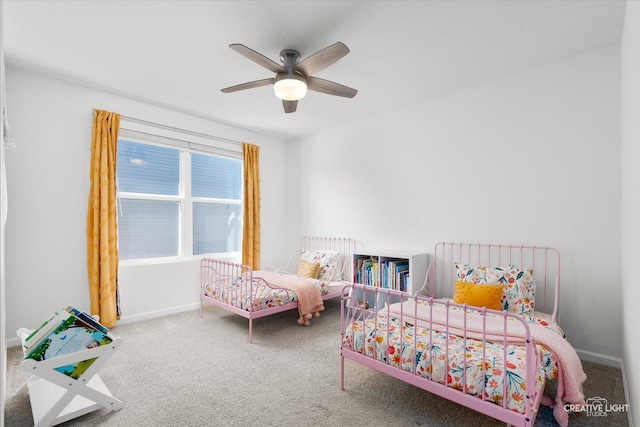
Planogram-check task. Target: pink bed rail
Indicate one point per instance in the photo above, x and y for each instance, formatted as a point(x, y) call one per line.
point(228, 274)
point(545, 262)
point(353, 311)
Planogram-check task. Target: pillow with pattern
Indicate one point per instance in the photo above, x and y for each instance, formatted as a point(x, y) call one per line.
point(330, 263)
point(518, 295)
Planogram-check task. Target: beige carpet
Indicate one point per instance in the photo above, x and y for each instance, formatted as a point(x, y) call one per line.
point(182, 370)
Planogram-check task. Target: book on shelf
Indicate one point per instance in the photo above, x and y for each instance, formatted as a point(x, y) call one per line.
point(368, 271)
point(393, 273)
point(69, 332)
point(399, 273)
point(390, 273)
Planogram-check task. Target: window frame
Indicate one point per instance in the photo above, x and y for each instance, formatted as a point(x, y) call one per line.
point(186, 143)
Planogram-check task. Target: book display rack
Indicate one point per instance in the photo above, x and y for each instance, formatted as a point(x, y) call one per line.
point(62, 359)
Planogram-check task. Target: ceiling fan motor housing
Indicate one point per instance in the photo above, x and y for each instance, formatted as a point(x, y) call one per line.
point(290, 57)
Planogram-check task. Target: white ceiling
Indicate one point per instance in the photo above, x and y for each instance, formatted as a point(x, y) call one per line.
point(176, 54)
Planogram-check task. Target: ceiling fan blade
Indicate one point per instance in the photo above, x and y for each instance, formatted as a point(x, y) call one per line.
point(322, 59)
point(258, 58)
point(249, 85)
point(330, 88)
point(290, 106)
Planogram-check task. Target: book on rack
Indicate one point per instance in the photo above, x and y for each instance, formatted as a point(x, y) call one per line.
point(43, 330)
point(89, 319)
point(70, 333)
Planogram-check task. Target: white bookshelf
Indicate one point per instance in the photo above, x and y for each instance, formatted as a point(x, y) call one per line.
point(383, 269)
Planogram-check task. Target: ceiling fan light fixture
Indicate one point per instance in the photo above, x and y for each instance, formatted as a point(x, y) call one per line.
point(290, 88)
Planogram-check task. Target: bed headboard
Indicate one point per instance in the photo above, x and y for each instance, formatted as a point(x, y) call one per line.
point(545, 262)
point(345, 245)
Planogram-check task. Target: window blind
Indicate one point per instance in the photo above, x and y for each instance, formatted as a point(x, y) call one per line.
point(191, 146)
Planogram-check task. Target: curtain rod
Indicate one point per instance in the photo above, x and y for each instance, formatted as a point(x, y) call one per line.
point(190, 132)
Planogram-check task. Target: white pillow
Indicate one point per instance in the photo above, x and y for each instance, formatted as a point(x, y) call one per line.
point(330, 263)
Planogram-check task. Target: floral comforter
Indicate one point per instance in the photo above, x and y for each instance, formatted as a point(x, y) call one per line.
point(243, 294)
point(385, 339)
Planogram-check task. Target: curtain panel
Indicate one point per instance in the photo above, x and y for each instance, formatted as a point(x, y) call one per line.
point(251, 214)
point(102, 225)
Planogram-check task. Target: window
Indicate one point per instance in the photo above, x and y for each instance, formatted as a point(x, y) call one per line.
point(175, 199)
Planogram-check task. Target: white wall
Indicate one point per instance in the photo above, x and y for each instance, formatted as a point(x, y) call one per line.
point(532, 158)
point(48, 176)
point(3, 344)
point(630, 53)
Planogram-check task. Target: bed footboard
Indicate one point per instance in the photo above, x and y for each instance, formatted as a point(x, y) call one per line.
point(483, 359)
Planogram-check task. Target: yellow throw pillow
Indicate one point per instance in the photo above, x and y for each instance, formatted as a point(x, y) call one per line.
point(489, 296)
point(308, 269)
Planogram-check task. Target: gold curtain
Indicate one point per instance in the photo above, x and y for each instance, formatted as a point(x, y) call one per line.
point(102, 225)
point(251, 215)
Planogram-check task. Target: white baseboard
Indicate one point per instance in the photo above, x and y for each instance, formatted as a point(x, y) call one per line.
point(626, 392)
point(613, 362)
point(124, 320)
point(14, 342)
point(603, 359)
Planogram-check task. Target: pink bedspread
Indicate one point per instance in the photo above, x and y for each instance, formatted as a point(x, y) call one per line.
point(570, 373)
point(309, 298)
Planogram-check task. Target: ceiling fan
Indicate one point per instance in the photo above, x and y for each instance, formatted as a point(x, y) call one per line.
point(294, 77)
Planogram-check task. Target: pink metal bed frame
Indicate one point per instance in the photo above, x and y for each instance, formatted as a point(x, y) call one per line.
point(226, 273)
point(440, 283)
